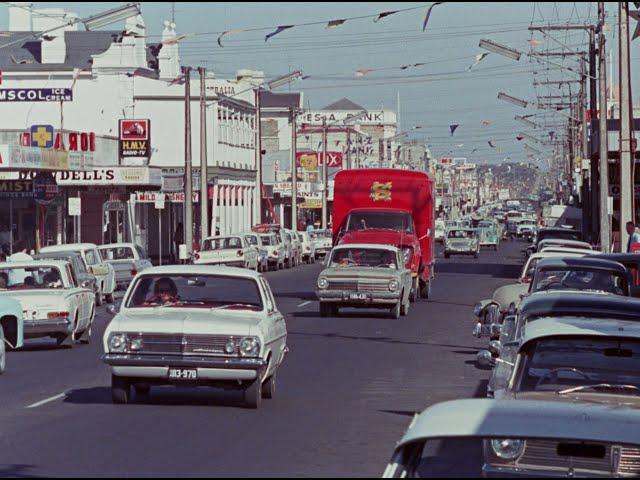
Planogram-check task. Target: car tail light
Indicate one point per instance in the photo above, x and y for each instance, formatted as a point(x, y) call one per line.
point(239, 253)
point(197, 256)
point(57, 314)
point(525, 280)
point(275, 252)
point(134, 272)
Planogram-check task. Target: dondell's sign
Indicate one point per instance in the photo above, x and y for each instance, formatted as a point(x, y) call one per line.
point(36, 95)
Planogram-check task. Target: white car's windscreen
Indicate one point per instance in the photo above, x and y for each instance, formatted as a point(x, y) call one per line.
point(222, 243)
point(196, 291)
point(268, 240)
point(363, 257)
point(579, 279)
point(30, 278)
point(117, 253)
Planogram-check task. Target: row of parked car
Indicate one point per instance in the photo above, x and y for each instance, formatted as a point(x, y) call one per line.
point(563, 349)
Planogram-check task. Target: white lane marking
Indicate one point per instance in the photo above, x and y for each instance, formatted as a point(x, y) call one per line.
point(47, 400)
point(305, 303)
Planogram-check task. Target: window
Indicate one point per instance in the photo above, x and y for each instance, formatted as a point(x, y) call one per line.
point(91, 257)
point(31, 278)
point(252, 240)
point(364, 257)
point(579, 279)
point(117, 253)
point(222, 243)
point(380, 220)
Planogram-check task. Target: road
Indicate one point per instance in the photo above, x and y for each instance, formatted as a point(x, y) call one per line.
point(346, 393)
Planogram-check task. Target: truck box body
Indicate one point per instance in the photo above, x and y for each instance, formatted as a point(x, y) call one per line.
point(364, 199)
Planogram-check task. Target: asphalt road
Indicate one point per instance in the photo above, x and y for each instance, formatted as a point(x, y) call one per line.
point(346, 393)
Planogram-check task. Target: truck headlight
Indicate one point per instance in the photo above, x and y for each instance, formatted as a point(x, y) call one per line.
point(393, 285)
point(507, 448)
point(117, 342)
point(323, 283)
point(249, 347)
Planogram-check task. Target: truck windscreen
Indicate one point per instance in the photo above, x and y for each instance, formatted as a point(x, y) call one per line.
point(398, 221)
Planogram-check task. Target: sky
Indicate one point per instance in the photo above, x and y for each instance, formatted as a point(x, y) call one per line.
point(432, 96)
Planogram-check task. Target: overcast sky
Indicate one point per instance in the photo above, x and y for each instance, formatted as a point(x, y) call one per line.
point(432, 96)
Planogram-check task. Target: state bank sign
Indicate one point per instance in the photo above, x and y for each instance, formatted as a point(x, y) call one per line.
point(135, 139)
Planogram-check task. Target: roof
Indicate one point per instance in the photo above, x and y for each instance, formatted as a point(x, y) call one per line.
point(280, 100)
point(201, 270)
point(377, 246)
point(482, 417)
point(68, 247)
point(582, 304)
point(343, 104)
point(230, 235)
point(34, 263)
point(586, 262)
point(575, 326)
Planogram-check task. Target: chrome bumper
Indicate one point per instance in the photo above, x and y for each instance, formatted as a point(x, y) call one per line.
point(344, 296)
point(35, 328)
point(495, 471)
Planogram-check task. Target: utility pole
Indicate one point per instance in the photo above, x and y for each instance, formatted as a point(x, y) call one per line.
point(294, 171)
point(605, 228)
point(593, 166)
point(626, 186)
point(325, 174)
point(258, 149)
point(187, 214)
point(348, 149)
point(204, 194)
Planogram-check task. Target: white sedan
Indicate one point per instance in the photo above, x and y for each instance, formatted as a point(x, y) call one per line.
point(198, 326)
point(105, 274)
point(230, 250)
point(53, 305)
point(127, 259)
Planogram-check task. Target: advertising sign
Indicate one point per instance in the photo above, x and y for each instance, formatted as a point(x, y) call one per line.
point(74, 206)
point(41, 136)
point(16, 189)
point(36, 95)
point(135, 138)
point(311, 160)
point(45, 188)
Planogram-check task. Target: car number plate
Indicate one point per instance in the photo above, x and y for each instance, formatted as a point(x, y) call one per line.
point(357, 296)
point(183, 374)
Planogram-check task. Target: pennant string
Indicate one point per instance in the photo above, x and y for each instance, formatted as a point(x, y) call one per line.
point(426, 17)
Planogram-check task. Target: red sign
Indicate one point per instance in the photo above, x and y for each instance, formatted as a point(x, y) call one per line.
point(311, 160)
point(134, 138)
point(70, 141)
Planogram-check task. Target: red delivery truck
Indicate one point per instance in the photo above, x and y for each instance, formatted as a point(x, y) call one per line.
point(393, 207)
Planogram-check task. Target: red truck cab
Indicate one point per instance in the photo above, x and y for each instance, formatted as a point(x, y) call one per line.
point(392, 207)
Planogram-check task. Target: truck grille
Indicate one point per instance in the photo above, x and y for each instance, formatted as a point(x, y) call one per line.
point(177, 344)
point(629, 462)
point(369, 286)
point(544, 454)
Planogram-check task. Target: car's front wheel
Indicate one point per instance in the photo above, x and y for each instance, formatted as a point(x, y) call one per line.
point(3, 353)
point(269, 387)
point(395, 310)
point(120, 390)
point(99, 299)
point(109, 298)
point(253, 394)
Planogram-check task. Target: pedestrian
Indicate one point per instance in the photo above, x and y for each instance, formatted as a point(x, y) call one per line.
point(634, 236)
point(18, 276)
point(178, 239)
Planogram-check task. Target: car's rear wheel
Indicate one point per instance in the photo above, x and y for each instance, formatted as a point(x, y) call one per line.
point(413, 295)
point(446, 255)
point(99, 299)
point(425, 290)
point(120, 390)
point(85, 338)
point(269, 387)
point(253, 394)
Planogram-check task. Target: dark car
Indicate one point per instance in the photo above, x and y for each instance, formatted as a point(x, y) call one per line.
point(84, 278)
point(631, 261)
point(559, 233)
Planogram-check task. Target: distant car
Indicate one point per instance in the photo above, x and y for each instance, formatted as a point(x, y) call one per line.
point(461, 241)
point(296, 248)
point(308, 247)
point(11, 327)
point(489, 234)
point(440, 231)
point(83, 276)
point(364, 276)
point(255, 240)
point(196, 325)
point(525, 227)
point(53, 304)
point(104, 272)
point(127, 260)
point(323, 242)
point(229, 250)
point(275, 250)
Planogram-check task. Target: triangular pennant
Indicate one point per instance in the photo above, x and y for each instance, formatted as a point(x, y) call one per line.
point(426, 17)
point(535, 42)
point(479, 58)
point(453, 128)
point(361, 72)
point(278, 30)
point(176, 39)
point(335, 23)
point(519, 137)
point(384, 14)
point(485, 123)
point(491, 144)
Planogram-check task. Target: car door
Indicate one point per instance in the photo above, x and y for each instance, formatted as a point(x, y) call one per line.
point(76, 299)
point(277, 327)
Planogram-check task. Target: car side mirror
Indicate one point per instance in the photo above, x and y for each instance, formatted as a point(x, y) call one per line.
point(113, 309)
point(85, 284)
point(485, 359)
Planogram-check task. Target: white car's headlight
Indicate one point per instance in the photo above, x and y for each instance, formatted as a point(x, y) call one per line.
point(249, 347)
point(117, 342)
point(508, 448)
point(393, 285)
point(323, 283)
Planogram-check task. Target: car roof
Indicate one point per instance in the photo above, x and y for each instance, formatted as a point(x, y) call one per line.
point(377, 246)
point(201, 270)
point(567, 250)
point(544, 419)
point(34, 263)
point(563, 241)
point(68, 246)
point(231, 235)
point(586, 262)
point(624, 258)
point(65, 254)
point(576, 326)
point(582, 304)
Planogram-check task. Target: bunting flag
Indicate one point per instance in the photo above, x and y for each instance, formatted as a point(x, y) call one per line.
point(335, 23)
point(143, 72)
point(491, 144)
point(426, 17)
point(361, 72)
point(404, 67)
point(535, 42)
point(479, 58)
point(553, 134)
point(278, 30)
point(384, 14)
point(473, 151)
point(519, 137)
point(76, 75)
point(460, 145)
point(636, 16)
point(453, 128)
point(228, 32)
point(485, 123)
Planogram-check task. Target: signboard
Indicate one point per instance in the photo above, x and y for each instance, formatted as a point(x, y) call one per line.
point(311, 203)
point(284, 188)
point(36, 95)
point(41, 136)
point(45, 188)
point(134, 138)
point(174, 197)
point(311, 160)
point(105, 176)
point(16, 189)
point(172, 183)
point(159, 201)
point(74, 206)
point(172, 172)
point(372, 117)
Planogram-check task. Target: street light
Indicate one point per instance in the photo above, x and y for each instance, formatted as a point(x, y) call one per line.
point(284, 80)
point(515, 101)
point(526, 121)
point(111, 16)
point(500, 49)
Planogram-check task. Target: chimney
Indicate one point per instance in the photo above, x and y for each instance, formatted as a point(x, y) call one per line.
point(54, 49)
point(20, 17)
point(169, 56)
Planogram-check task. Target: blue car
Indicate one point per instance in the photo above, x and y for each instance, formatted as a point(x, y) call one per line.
point(11, 327)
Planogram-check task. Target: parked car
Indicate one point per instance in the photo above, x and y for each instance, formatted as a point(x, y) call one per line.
point(11, 326)
point(230, 250)
point(53, 304)
point(196, 325)
point(105, 274)
point(524, 438)
point(440, 230)
point(489, 234)
point(296, 248)
point(275, 250)
point(364, 276)
point(127, 260)
point(255, 240)
point(461, 241)
point(308, 247)
point(323, 242)
point(84, 278)
point(631, 262)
